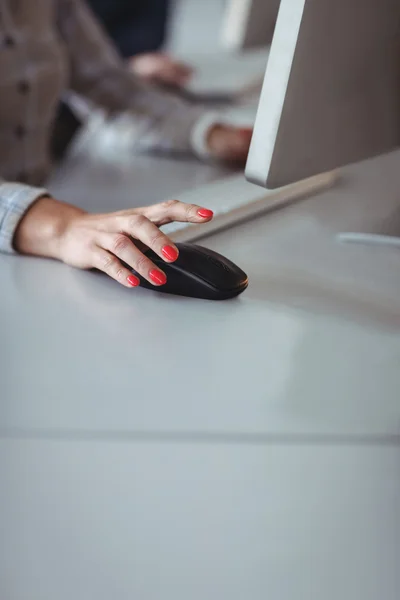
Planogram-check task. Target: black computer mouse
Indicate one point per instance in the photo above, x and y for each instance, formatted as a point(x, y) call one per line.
point(198, 273)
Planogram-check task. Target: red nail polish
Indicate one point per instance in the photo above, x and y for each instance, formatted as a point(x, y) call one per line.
point(133, 281)
point(246, 131)
point(170, 253)
point(204, 213)
point(158, 277)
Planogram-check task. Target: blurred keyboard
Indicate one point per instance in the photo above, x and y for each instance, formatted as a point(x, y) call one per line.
point(227, 74)
point(234, 200)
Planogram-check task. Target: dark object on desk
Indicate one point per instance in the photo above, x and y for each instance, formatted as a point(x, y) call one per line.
point(65, 127)
point(216, 99)
point(198, 273)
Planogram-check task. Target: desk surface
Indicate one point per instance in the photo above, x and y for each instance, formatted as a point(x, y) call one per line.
point(96, 520)
point(313, 346)
point(160, 447)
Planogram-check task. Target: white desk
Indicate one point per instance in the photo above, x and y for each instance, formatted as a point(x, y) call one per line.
point(157, 447)
point(191, 521)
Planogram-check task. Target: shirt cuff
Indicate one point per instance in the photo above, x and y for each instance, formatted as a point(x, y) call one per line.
point(200, 131)
point(15, 199)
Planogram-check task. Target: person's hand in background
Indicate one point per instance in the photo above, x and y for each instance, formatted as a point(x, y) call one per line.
point(228, 143)
point(159, 68)
point(105, 241)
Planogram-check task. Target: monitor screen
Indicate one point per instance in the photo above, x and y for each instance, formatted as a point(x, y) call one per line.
point(249, 23)
point(331, 93)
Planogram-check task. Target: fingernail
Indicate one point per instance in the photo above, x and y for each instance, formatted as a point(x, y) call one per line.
point(204, 213)
point(158, 277)
point(170, 253)
point(133, 281)
point(246, 132)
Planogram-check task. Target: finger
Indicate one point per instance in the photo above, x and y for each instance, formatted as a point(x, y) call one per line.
point(177, 65)
point(142, 229)
point(183, 71)
point(186, 70)
point(120, 246)
point(170, 79)
point(174, 210)
point(243, 136)
point(109, 264)
point(172, 75)
point(235, 143)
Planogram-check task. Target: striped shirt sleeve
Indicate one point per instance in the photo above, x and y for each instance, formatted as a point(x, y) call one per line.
point(15, 199)
point(99, 74)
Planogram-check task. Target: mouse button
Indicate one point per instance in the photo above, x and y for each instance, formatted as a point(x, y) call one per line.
point(211, 267)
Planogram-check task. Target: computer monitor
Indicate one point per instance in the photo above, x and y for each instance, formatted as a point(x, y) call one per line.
point(249, 24)
point(331, 93)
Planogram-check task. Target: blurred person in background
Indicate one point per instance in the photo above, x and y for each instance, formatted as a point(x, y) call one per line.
point(138, 29)
point(47, 48)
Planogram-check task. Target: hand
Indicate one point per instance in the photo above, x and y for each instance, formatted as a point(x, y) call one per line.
point(230, 144)
point(57, 230)
point(159, 68)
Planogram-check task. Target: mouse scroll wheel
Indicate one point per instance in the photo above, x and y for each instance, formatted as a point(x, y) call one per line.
point(219, 264)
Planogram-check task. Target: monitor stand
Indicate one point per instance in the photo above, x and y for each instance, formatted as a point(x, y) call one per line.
point(388, 234)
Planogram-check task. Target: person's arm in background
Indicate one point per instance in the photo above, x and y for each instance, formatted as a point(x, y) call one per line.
point(99, 74)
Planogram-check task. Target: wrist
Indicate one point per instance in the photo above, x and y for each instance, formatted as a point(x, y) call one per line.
point(42, 228)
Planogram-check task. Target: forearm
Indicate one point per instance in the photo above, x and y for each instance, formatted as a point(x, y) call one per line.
point(41, 229)
point(99, 74)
